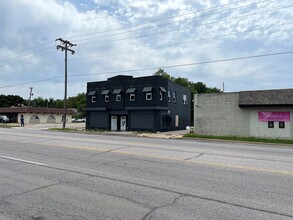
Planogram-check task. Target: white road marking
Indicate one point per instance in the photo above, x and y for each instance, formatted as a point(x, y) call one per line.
point(23, 161)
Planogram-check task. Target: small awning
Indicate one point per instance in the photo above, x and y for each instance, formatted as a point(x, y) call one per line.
point(147, 89)
point(162, 89)
point(117, 91)
point(130, 90)
point(105, 92)
point(91, 93)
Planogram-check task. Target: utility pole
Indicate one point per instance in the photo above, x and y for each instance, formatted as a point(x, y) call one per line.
point(30, 97)
point(223, 86)
point(65, 45)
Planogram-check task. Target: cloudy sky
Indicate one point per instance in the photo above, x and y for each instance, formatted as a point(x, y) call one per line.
point(245, 44)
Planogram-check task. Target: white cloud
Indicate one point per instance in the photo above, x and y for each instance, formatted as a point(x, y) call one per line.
point(104, 43)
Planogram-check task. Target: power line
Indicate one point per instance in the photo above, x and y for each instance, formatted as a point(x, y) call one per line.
point(245, 75)
point(150, 22)
point(32, 48)
point(186, 42)
point(203, 15)
point(192, 64)
point(164, 67)
point(163, 46)
point(181, 43)
point(32, 82)
point(39, 67)
point(169, 31)
point(19, 61)
point(158, 20)
point(224, 5)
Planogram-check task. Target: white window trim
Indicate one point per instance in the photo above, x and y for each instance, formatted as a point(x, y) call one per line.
point(132, 97)
point(93, 99)
point(107, 98)
point(185, 99)
point(148, 94)
point(118, 97)
point(169, 96)
point(160, 95)
point(174, 97)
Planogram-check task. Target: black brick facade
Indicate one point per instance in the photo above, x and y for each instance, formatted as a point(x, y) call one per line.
point(156, 114)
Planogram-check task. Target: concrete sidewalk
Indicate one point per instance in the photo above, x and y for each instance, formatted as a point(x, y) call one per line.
point(81, 128)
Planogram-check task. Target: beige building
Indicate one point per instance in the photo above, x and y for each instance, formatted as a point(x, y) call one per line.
point(264, 113)
point(36, 115)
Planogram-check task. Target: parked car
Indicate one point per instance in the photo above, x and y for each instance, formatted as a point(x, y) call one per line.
point(4, 119)
point(81, 120)
point(73, 120)
point(78, 120)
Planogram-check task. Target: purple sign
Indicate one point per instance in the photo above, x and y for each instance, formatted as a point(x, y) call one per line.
point(273, 116)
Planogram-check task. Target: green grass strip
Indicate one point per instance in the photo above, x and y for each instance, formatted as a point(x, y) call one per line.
point(3, 125)
point(61, 129)
point(236, 138)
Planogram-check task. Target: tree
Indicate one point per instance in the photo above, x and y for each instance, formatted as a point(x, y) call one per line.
point(198, 87)
point(183, 82)
point(11, 100)
point(78, 102)
point(162, 72)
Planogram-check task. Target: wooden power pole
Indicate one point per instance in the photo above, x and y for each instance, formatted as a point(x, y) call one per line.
point(65, 45)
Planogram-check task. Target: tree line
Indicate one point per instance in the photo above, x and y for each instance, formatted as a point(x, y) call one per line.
point(78, 102)
point(195, 87)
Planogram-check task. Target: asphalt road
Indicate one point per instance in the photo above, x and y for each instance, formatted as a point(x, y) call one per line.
point(54, 175)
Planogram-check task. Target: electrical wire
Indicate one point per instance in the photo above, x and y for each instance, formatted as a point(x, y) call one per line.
point(169, 31)
point(163, 46)
point(160, 67)
point(139, 25)
point(213, 22)
point(246, 75)
point(199, 16)
point(32, 48)
point(19, 61)
point(30, 82)
point(151, 48)
point(158, 20)
point(154, 21)
point(183, 43)
point(38, 67)
point(191, 64)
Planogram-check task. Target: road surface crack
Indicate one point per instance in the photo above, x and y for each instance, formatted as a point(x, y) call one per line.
point(148, 216)
point(197, 156)
point(29, 191)
point(108, 151)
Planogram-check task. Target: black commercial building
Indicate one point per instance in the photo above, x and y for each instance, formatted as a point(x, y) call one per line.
point(151, 103)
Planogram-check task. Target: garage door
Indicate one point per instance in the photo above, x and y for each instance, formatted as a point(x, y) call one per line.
point(142, 120)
